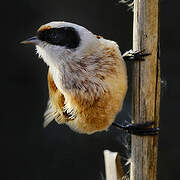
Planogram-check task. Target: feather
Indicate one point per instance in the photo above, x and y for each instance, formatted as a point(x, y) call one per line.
point(49, 115)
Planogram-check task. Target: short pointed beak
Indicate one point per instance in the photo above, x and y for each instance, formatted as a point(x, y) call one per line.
point(33, 40)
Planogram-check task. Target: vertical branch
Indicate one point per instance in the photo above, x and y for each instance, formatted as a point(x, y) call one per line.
point(146, 88)
point(110, 165)
point(113, 166)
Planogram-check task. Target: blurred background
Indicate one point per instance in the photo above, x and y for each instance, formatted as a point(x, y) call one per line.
point(30, 152)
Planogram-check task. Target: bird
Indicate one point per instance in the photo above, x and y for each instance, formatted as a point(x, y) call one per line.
point(87, 78)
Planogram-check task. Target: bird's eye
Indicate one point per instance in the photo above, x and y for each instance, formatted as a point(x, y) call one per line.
point(65, 36)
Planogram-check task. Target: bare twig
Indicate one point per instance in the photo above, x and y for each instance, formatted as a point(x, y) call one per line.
point(113, 166)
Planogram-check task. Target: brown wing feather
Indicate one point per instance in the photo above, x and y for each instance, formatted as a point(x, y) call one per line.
point(55, 109)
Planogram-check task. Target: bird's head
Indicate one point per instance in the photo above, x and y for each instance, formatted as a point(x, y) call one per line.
point(62, 41)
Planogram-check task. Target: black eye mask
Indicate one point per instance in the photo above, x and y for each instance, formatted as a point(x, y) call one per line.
point(65, 36)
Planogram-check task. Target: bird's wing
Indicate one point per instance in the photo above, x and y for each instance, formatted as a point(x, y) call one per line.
point(50, 114)
point(56, 105)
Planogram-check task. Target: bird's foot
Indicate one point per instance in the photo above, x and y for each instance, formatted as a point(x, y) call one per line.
point(142, 129)
point(134, 55)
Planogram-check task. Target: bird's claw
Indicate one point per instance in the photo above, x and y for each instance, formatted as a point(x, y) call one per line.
point(142, 129)
point(135, 55)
